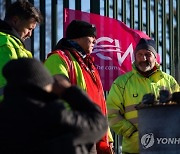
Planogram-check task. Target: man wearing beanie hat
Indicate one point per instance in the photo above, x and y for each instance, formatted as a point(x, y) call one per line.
point(26, 72)
point(71, 57)
point(34, 120)
point(128, 90)
point(77, 29)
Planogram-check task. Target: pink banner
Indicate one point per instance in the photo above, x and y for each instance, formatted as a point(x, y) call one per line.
point(113, 52)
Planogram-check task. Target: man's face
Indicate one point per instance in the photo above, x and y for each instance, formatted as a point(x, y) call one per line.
point(145, 60)
point(24, 27)
point(87, 43)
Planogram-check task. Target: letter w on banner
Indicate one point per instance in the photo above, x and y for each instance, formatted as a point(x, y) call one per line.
point(113, 52)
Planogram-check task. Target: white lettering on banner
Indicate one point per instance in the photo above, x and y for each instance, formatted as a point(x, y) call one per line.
point(128, 51)
point(107, 67)
point(100, 67)
point(112, 68)
point(112, 48)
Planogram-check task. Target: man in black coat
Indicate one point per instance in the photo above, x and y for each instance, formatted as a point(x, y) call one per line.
point(33, 116)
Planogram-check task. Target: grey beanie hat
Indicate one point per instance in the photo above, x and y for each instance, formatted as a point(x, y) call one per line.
point(148, 44)
point(78, 28)
point(26, 71)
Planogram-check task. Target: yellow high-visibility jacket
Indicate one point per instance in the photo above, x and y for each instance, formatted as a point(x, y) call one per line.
point(11, 47)
point(126, 92)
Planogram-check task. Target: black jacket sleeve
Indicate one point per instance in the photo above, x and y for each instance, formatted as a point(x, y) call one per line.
point(85, 120)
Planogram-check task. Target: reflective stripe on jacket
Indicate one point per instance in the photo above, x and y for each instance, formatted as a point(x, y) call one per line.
point(57, 65)
point(126, 92)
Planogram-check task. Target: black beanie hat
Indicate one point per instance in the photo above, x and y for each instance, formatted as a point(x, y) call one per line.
point(78, 28)
point(146, 44)
point(26, 71)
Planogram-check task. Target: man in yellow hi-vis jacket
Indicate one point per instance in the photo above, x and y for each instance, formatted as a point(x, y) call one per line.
point(20, 20)
point(127, 91)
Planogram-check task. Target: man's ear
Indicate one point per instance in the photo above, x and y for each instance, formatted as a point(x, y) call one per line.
point(14, 20)
point(158, 58)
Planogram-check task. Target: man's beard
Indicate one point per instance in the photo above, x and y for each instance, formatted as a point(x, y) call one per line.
point(144, 66)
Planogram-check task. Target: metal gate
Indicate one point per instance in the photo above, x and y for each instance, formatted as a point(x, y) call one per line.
point(160, 19)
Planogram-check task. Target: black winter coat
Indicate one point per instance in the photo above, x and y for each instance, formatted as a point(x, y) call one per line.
point(33, 121)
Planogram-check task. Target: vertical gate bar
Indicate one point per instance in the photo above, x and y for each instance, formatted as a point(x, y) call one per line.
point(140, 14)
point(177, 64)
point(53, 23)
point(164, 35)
point(7, 3)
point(124, 11)
point(115, 14)
point(32, 36)
point(132, 13)
point(42, 32)
point(95, 6)
point(116, 137)
point(106, 8)
point(116, 143)
point(156, 30)
point(148, 24)
point(65, 4)
point(171, 37)
point(78, 4)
